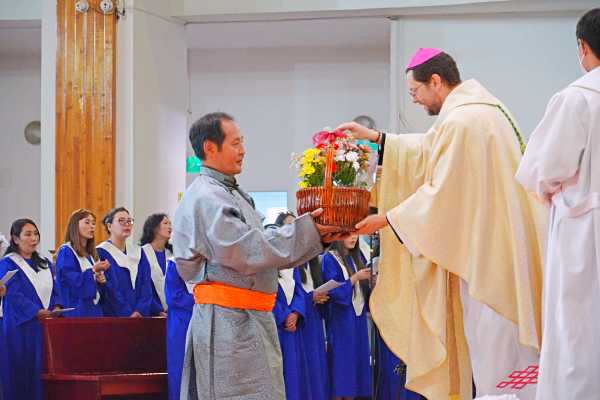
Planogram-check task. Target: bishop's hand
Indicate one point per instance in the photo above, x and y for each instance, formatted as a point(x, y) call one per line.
point(371, 224)
point(359, 131)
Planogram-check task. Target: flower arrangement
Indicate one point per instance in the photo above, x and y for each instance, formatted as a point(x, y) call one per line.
point(351, 166)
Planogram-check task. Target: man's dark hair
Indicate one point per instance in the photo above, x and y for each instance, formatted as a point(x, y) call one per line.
point(588, 30)
point(442, 64)
point(208, 128)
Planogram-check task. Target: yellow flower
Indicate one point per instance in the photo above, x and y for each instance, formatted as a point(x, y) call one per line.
point(310, 154)
point(303, 184)
point(307, 169)
point(310, 151)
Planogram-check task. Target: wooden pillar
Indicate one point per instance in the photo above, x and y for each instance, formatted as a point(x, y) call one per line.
point(85, 112)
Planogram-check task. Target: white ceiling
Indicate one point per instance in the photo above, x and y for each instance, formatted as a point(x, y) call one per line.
point(297, 33)
point(20, 39)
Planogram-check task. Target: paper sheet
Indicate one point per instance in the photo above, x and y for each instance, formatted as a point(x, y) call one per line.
point(8, 275)
point(327, 286)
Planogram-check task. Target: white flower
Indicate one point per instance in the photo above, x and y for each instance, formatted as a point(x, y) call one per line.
point(356, 165)
point(340, 155)
point(352, 156)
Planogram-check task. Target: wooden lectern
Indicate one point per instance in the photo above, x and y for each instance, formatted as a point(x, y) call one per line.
point(96, 358)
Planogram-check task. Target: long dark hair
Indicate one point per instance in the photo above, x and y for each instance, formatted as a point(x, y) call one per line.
point(354, 254)
point(150, 226)
point(72, 234)
point(314, 265)
point(279, 221)
point(15, 231)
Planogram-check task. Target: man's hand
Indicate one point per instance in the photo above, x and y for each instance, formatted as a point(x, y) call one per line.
point(371, 224)
point(320, 298)
point(291, 321)
point(2, 289)
point(135, 314)
point(359, 131)
point(328, 233)
point(43, 313)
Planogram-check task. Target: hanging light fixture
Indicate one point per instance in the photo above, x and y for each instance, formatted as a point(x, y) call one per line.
point(106, 6)
point(82, 6)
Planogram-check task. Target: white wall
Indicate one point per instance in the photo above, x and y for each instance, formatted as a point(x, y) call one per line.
point(152, 94)
point(19, 160)
point(21, 10)
point(522, 59)
point(282, 96)
point(48, 121)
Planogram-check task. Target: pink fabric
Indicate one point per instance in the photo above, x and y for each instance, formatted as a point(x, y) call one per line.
point(327, 137)
point(422, 56)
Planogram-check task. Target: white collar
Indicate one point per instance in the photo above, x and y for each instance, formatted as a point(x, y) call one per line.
point(42, 280)
point(126, 260)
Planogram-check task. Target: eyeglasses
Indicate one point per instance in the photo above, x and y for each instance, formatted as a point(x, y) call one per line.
point(125, 221)
point(413, 91)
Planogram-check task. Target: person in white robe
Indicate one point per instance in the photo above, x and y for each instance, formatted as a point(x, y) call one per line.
point(562, 166)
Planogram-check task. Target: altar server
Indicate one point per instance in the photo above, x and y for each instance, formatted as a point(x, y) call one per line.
point(562, 166)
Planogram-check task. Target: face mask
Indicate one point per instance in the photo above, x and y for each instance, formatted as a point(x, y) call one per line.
point(580, 58)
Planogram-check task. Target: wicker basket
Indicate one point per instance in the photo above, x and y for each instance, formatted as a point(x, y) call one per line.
point(342, 206)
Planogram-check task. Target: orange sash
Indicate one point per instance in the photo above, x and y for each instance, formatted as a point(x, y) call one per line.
point(228, 296)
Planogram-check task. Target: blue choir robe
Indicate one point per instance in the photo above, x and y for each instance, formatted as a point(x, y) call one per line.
point(3, 360)
point(180, 302)
point(391, 376)
point(128, 286)
point(76, 283)
point(347, 333)
point(157, 265)
point(22, 330)
point(313, 335)
point(295, 369)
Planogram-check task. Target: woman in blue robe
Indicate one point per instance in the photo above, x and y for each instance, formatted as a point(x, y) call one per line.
point(30, 295)
point(289, 313)
point(80, 279)
point(157, 249)
point(128, 292)
point(346, 321)
point(308, 278)
point(3, 365)
point(391, 375)
point(180, 302)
